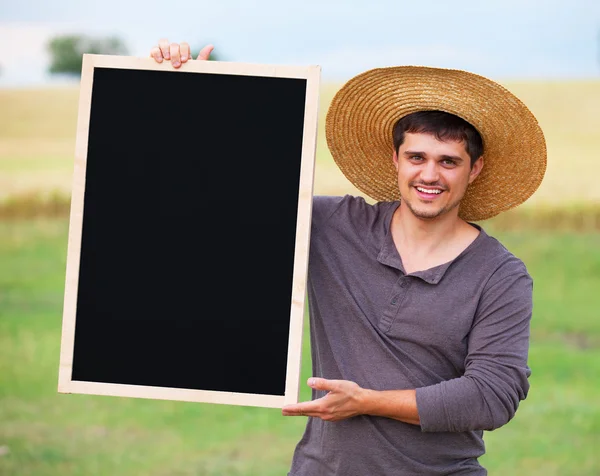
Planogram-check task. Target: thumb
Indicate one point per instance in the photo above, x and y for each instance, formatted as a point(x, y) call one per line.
point(321, 383)
point(205, 52)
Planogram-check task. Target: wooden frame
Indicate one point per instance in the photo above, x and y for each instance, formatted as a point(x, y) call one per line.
point(73, 280)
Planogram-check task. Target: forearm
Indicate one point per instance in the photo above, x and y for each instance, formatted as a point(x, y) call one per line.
point(486, 396)
point(396, 404)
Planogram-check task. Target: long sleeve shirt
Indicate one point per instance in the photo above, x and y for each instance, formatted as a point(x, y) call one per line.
point(458, 333)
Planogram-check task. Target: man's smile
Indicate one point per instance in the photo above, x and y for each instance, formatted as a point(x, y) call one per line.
point(428, 193)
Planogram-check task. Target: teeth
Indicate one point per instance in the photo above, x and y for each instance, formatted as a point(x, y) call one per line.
point(432, 191)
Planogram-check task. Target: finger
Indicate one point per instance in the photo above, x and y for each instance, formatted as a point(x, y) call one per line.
point(322, 383)
point(156, 54)
point(165, 48)
point(175, 55)
point(291, 412)
point(205, 52)
point(314, 406)
point(308, 414)
point(184, 50)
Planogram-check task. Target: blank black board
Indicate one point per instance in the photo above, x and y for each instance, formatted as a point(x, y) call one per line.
point(189, 230)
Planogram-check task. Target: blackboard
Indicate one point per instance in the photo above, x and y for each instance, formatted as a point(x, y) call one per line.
point(189, 231)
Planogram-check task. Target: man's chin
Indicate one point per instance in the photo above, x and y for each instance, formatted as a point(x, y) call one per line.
point(428, 213)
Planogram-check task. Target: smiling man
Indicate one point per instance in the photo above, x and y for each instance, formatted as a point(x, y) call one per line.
point(419, 319)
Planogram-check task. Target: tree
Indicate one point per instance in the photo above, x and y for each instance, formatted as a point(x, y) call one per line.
point(67, 51)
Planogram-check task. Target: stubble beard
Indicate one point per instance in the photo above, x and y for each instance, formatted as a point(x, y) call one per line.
point(430, 215)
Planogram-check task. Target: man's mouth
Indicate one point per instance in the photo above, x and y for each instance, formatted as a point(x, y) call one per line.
point(429, 191)
point(428, 194)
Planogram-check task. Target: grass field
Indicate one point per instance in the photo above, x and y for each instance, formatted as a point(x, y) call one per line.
point(44, 433)
point(556, 431)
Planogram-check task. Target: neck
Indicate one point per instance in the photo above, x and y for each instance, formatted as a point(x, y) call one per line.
point(425, 234)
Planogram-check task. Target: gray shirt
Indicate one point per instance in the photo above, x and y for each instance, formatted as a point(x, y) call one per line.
point(458, 333)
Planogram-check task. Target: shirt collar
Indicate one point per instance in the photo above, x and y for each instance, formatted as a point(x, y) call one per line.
point(389, 256)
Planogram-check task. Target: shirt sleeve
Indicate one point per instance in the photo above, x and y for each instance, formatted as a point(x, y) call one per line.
point(324, 206)
point(496, 371)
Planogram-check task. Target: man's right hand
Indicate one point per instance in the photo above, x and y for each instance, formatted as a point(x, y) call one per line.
point(177, 53)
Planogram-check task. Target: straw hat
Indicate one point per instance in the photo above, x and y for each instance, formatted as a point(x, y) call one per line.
point(364, 111)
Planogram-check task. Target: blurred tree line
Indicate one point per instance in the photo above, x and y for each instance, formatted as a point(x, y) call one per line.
point(66, 51)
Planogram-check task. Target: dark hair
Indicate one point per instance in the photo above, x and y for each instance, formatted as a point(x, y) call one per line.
point(444, 126)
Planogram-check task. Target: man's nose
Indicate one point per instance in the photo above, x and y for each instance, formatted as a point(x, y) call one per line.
point(430, 172)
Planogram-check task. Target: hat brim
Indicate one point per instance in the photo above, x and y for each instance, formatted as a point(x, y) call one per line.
point(362, 114)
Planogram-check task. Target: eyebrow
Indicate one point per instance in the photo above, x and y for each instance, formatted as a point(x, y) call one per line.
point(455, 158)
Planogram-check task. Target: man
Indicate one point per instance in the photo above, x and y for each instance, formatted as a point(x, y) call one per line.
point(419, 319)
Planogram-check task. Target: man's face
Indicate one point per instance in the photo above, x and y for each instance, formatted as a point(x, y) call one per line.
point(433, 175)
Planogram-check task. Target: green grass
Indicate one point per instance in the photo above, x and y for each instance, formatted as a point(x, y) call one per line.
point(49, 433)
point(44, 433)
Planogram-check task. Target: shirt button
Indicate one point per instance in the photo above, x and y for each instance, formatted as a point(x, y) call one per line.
point(403, 284)
point(395, 300)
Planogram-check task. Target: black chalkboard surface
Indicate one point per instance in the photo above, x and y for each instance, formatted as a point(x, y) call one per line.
point(188, 238)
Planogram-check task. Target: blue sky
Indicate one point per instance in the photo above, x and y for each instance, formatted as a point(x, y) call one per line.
point(502, 39)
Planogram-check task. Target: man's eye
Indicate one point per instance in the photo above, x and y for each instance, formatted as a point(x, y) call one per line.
point(448, 162)
point(416, 157)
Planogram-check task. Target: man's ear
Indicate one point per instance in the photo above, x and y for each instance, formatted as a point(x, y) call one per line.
point(395, 160)
point(476, 169)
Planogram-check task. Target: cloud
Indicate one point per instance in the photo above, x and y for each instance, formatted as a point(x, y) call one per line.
point(24, 58)
point(23, 55)
point(22, 42)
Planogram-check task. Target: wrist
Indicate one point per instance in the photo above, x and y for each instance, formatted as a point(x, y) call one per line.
point(365, 399)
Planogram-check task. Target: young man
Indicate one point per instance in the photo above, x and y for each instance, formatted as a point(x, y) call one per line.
point(419, 319)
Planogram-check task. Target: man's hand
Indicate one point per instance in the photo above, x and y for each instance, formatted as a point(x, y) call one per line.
point(177, 53)
point(344, 400)
point(347, 399)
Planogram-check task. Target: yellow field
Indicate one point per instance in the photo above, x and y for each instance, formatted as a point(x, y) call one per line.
point(37, 140)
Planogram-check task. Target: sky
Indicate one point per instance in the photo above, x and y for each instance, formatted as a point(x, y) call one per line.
point(501, 39)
